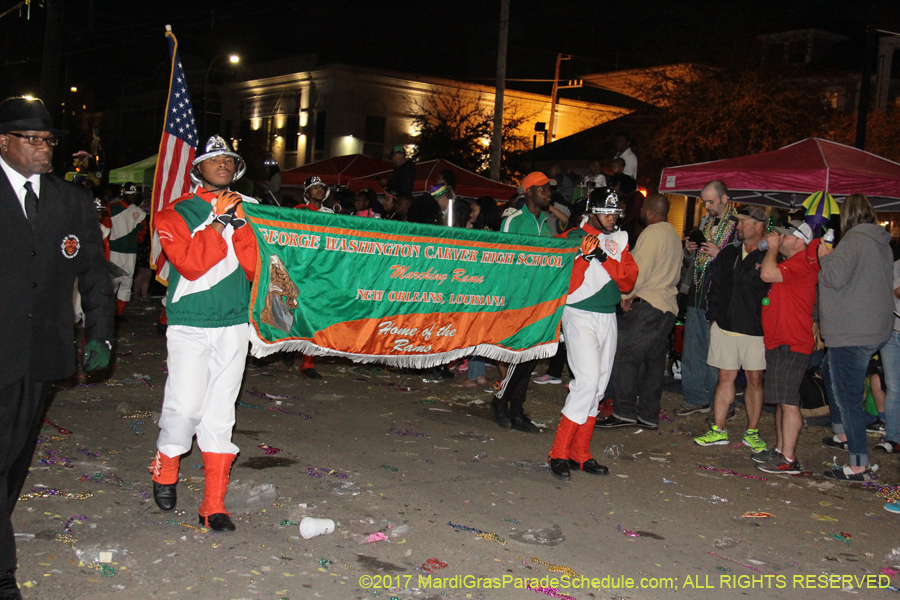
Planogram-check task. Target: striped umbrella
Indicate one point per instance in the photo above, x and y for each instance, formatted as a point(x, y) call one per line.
point(819, 208)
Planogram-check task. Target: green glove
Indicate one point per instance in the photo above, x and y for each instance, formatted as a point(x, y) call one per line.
point(96, 355)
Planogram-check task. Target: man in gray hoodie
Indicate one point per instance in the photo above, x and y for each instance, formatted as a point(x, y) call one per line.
point(856, 316)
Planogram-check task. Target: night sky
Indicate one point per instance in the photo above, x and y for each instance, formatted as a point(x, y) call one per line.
point(123, 40)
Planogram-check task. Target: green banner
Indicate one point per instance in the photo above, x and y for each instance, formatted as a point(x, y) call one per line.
point(403, 294)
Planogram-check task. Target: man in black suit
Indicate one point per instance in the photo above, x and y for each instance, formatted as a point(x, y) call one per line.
point(49, 235)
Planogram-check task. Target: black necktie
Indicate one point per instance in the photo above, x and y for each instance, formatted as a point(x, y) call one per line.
point(31, 204)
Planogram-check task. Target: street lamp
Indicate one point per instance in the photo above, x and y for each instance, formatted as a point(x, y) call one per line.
point(233, 59)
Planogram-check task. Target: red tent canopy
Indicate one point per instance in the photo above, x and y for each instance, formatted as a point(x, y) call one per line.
point(338, 170)
point(785, 177)
point(468, 184)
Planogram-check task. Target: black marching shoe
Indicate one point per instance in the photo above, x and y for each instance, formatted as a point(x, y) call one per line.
point(311, 373)
point(589, 466)
point(9, 590)
point(559, 468)
point(165, 495)
point(501, 413)
point(614, 421)
point(442, 372)
point(218, 522)
point(523, 423)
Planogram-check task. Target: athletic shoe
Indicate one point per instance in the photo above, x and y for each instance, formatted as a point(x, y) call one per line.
point(494, 388)
point(614, 421)
point(876, 427)
point(888, 446)
point(893, 507)
point(752, 439)
point(781, 465)
point(647, 424)
point(845, 474)
point(834, 442)
point(547, 378)
point(767, 456)
point(689, 409)
point(713, 437)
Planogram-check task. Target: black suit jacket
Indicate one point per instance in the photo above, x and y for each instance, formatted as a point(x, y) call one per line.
point(37, 277)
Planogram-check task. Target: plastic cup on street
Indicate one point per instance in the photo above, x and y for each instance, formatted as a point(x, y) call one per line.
point(311, 527)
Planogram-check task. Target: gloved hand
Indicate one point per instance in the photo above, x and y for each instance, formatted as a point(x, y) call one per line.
point(227, 218)
point(591, 250)
point(588, 243)
point(96, 355)
point(225, 207)
point(239, 219)
point(596, 254)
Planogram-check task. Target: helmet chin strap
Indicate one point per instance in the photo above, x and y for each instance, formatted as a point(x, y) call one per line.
point(213, 187)
point(586, 218)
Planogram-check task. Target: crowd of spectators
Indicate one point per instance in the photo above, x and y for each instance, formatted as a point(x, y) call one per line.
point(759, 304)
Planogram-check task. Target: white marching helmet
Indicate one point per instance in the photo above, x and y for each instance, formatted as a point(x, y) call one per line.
point(313, 181)
point(216, 146)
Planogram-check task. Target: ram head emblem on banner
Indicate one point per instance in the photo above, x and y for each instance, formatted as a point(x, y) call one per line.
point(281, 298)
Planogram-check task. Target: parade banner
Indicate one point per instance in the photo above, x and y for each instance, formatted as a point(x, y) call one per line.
point(403, 294)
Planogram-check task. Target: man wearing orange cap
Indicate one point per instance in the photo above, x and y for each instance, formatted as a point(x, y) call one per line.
point(508, 403)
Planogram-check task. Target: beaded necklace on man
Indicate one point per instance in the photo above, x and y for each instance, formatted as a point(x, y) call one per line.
point(717, 234)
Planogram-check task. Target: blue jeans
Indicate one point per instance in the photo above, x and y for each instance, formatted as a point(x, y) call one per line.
point(890, 360)
point(476, 368)
point(847, 366)
point(698, 379)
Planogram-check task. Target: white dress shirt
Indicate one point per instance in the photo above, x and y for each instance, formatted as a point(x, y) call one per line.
point(631, 162)
point(17, 181)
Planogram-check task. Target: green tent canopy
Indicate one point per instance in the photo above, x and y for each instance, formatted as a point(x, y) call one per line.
point(141, 172)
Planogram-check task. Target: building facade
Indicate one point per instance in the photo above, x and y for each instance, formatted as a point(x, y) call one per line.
point(303, 116)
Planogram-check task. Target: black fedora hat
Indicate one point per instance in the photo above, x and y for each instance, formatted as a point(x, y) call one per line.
point(26, 114)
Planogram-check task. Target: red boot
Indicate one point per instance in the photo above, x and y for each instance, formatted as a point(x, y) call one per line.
point(308, 368)
point(580, 454)
point(559, 453)
point(165, 477)
point(212, 510)
point(162, 323)
point(120, 311)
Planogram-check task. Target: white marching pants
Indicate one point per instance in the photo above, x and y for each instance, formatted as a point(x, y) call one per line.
point(206, 366)
point(123, 284)
point(591, 349)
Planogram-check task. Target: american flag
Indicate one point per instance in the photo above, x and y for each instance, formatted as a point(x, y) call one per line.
point(176, 152)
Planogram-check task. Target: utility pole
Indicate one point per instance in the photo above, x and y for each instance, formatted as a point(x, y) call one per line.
point(497, 141)
point(553, 92)
point(556, 87)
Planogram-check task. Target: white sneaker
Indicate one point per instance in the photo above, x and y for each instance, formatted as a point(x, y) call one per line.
point(545, 379)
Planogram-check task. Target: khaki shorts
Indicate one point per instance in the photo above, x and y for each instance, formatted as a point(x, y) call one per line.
point(733, 352)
